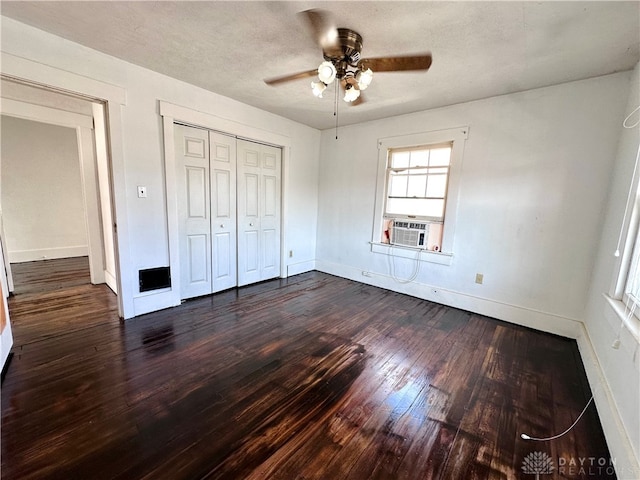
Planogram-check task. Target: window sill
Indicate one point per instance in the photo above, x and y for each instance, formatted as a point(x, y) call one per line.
point(632, 324)
point(412, 253)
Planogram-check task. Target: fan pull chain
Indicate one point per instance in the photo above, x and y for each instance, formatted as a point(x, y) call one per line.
point(335, 108)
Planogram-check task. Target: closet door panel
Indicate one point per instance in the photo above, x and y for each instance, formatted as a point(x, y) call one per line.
point(249, 267)
point(259, 212)
point(271, 211)
point(194, 212)
point(223, 205)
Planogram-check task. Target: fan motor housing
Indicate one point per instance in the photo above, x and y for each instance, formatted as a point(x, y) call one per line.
point(350, 48)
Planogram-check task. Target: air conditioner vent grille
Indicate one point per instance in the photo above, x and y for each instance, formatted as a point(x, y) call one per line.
point(410, 233)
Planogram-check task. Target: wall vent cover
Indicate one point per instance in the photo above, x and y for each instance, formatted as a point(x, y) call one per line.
point(154, 278)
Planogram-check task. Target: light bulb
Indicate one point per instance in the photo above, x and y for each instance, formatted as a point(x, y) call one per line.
point(317, 88)
point(351, 94)
point(364, 78)
point(327, 72)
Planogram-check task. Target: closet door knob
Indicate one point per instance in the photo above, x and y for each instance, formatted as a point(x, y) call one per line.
point(222, 225)
point(251, 224)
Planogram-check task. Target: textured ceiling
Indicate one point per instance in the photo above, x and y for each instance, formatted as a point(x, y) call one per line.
point(480, 49)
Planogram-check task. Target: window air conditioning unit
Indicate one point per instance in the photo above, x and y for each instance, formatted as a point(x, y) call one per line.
point(409, 233)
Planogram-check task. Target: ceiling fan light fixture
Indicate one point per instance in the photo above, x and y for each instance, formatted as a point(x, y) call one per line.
point(318, 88)
point(364, 78)
point(351, 93)
point(327, 72)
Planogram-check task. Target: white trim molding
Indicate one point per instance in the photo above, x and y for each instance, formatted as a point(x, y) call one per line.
point(618, 441)
point(171, 114)
point(20, 256)
point(526, 317)
point(457, 136)
point(21, 69)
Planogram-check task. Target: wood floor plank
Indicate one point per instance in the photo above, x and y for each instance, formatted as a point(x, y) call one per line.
point(311, 377)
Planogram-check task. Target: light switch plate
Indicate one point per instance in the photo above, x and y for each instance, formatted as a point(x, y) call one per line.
point(142, 192)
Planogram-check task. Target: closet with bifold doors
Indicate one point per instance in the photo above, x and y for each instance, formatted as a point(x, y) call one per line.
point(229, 215)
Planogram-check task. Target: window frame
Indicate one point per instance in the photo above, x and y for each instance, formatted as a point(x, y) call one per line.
point(626, 307)
point(390, 169)
point(457, 137)
point(629, 259)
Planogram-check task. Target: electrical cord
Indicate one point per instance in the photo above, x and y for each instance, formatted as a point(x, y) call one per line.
point(524, 436)
point(392, 267)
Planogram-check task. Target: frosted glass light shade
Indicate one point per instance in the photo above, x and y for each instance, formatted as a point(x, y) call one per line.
point(326, 72)
point(318, 88)
point(351, 94)
point(364, 78)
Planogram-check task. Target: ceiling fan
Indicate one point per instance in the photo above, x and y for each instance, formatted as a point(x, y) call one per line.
point(341, 49)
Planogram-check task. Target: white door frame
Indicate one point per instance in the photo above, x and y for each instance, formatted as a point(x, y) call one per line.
point(50, 77)
point(174, 113)
point(83, 125)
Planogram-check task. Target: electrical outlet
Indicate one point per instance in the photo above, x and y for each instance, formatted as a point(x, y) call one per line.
point(366, 274)
point(479, 278)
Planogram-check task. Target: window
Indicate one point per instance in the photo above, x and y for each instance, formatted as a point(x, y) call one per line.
point(417, 189)
point(417, 182)
point(624, 298)
point(628, 285)
point(632, 285)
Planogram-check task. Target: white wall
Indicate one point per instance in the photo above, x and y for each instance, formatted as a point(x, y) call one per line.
point(621, 367)
point(42, 198)
point(535, 179)
point(143, 239)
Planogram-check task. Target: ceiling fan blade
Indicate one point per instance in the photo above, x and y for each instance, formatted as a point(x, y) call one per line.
point(396, 64)
point(291, 77)
point(323, 29)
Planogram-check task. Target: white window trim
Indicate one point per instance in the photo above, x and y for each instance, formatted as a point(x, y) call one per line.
point(455, 135)
point(617, 298)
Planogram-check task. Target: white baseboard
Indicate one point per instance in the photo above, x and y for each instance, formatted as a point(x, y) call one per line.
point(527, 317)
point(620, 447)
point(19, 256)
point(153, 301)
point(6, 341)
point(302, 267)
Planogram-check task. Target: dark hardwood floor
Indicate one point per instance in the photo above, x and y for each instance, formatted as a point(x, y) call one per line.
point(312, 377)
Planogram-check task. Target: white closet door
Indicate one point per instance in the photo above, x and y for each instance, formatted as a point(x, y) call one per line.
point(259, 185)
point(194, 210)
point(223, 210)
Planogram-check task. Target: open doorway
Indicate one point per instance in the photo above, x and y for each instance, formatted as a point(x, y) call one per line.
point(55, 196)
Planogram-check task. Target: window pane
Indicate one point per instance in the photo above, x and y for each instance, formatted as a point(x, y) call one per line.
point(398, 185)
point(417, 186)
point(405, 206)
point(633, 282)
point(419, 158)
point(414, 175)
point(434, 208)
point(436, 185)
point(440, 157)
point(400, 159)
point(417, 207)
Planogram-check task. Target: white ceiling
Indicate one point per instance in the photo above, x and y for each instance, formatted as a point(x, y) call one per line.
point(480, 49)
